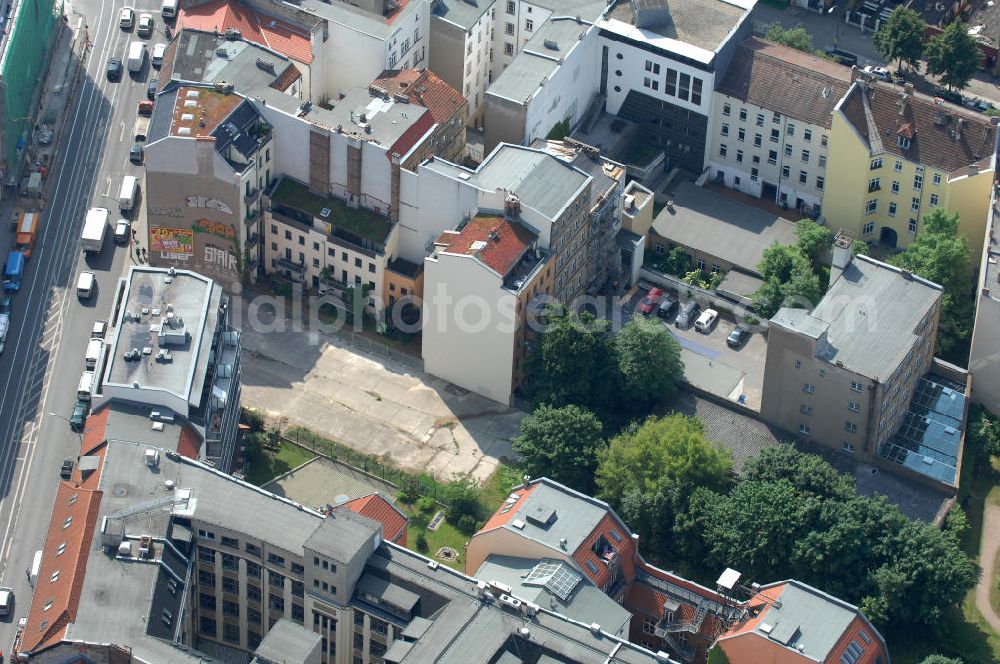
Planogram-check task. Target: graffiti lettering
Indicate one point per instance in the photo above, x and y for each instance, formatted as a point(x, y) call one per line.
point(215, 228)
point(220, 258)
point(210, 203)
point(166, 211)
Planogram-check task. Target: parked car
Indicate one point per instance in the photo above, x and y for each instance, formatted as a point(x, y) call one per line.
point(648, 304)
point(126, 18)
point(66, 471)
point(157, 57)
point(145, 28)
point(706, 321)
point(135, 153)
point(668, 307)
point(687, 315)
point(949, 95)
point(151, 88)
point(99, 330)
point(737, 337)
point(114, 69)
point(79, 416)
point(842, 56)
point(880, 73)
point(6, 601)
point(980, 105)
point(123, 229)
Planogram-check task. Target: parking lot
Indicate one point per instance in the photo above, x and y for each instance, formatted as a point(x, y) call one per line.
point(710, 364)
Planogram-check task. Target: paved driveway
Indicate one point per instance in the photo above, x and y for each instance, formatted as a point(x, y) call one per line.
point(410, 419)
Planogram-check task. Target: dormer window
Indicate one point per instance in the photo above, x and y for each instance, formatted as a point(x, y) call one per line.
point(903, 142)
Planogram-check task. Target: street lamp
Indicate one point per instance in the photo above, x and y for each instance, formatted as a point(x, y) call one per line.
point(836, 32)
point(66, 419)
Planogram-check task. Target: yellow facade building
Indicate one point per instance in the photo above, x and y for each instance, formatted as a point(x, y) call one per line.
point(894, 156)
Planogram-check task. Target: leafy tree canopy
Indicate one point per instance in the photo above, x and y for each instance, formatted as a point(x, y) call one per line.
point(561, 443)
point(953, 55)
point(796, 38)
point(901, 37)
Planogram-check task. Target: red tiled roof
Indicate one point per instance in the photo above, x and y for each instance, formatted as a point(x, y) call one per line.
point(93, 431)
point(420, 127)
point(189, 442)
point(507, 511)
point(502, 250)
point(873, 652)
point(270, 32)
point(625, 550)
point(375, 507)
point(55, 602)
point(423, 87)
point(287, 77)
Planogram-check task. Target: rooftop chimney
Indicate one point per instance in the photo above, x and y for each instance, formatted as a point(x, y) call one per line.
point(842, 255)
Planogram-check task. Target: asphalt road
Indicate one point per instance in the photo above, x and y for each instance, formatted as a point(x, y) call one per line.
point(41, 364)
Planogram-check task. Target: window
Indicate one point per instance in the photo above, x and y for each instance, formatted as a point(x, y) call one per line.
point(849, 447)
point(231, 586)
point(918, 182)
point(875, 163)
point(790, 129)
point(274, 229)
point(850, 427)
point(912, 226)
point(805, 156)
point(807, 134)
point(805, 410)
point(756, 159)
point(809, 388)
point(371, 268)
point(274, 558)
point(743, 114)
point(934, 200)
point(671, 87)
point(652, 67)
point(206, 578)
point(772, 157)
point(276, 602)
point(754, 174)
point(511, 7)
point(274, 246)
point(785, 171)
point(275, 579)
point(798, 364)
point(804, 430)
point(820, 182)
point(895, 186)
point(803, 177)
point(727, 109)
point(206, 555)
point(357, 262)
point(741, 134)
point(253, 570)
point(776, 117)
point(739, 156)
point(774, 135)
point(230, 608)
point(823, 140)
point(683, 86)
point(253, 593)
point(722, 149)
point(725, 129)
point(253, 615)
point(696, 91)
point(757, 140)
point(822, 160)
point(529, 24)
point(915, 203)
point(760, 119)
point(509, 28)
point(230, 562)
point(871, 206)
point(874, 184)
point(854, 406)
point(651, 83)
point(297, 568)
point(903, 142)
point(855, 386)
point(788, 150)
point(868, 228)
point(892, 209)
point(508, 48)
point(898, 166)
point(937, 179)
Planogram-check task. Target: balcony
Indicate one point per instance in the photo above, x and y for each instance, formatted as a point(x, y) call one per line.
point(285, 264)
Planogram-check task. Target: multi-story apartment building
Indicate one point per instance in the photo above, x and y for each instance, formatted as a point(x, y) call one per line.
point(771, 123)
point(855, 373)
point(547, 535)
point(495, 262)
point(898, 155)
point(659, 62)
point(983, 364)
point(156, 558)
point(171, 352)
point(461, 50)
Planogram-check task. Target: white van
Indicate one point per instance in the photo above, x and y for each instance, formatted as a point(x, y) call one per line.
point(94, 349)
point(36, 566)
point(168, 9)
point(128, 192)
point(136, 56)
point(85, 285)
point(86, 386)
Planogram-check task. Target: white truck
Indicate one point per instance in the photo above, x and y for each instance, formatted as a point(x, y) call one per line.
point(136, 56)
point(95, 347)
point(128, 192)
point(5, 306)
point(95, 227)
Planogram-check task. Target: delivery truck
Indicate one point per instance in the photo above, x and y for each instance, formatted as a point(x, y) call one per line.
point(136, 56)
point(27, 230)
point(128, 192)
point(13, 271)
point(94, 229)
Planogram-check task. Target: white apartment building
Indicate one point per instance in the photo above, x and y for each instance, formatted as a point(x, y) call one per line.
point(771, 123)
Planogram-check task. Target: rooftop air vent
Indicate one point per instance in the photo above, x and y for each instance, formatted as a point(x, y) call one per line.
point(266, 65)
point(551, 44)
point(222, 52)
point(232, 34)
point(325, 212)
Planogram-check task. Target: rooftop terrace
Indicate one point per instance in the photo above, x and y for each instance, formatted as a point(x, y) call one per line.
point(291, 195)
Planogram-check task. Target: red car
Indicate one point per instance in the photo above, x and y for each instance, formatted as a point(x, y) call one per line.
point(648, 304)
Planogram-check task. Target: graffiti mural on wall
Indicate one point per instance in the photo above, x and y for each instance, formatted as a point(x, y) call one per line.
point(172, 243)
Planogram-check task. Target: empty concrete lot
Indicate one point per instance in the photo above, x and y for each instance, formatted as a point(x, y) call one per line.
point(378, 407)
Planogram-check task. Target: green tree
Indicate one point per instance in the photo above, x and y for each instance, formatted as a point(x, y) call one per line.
point(649, 363)
point(941, 659)
point(901, 37)
point(789, 280)
point(462, 500)
point(561, 443)
point(808, 473)
point(983, 439)
point(574, 363)
point(651, 516)
point(953, 55)
point(660, 455)
point(813, 238)
point(796, 38)
point(941, 254)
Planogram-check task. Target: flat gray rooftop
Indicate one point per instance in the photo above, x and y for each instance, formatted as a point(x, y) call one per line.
point(169, 313)
point(701, 23)
point(820, 619)
point(719, 226)
point(386, 120)
point(539, 59)
point(289, 642)
point(573, 516)
point(461, 13)
point(197, 59)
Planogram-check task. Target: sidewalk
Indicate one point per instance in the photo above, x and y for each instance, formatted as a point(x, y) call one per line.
point(987, 560)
